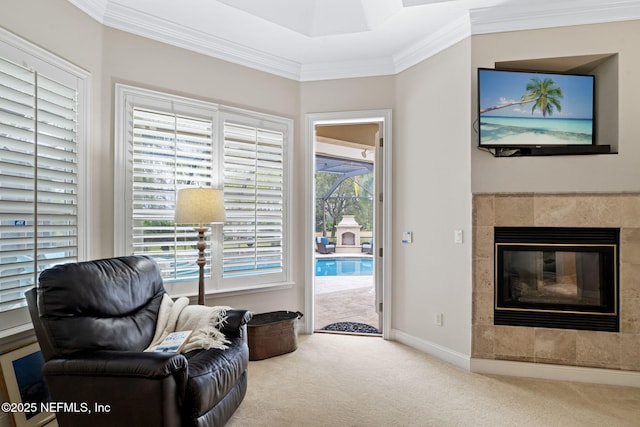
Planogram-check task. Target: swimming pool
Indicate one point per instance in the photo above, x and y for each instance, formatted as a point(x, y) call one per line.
point(344, 266)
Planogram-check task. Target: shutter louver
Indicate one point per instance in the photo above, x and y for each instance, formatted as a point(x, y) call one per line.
point(165, 143)
point(38, 179)
point(254, 195)
point(169, 152)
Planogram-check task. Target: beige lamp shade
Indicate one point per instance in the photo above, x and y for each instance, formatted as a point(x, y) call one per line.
point(199, 206)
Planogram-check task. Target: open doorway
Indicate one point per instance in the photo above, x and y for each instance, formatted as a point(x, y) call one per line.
point(349, 222)
point(344, 265)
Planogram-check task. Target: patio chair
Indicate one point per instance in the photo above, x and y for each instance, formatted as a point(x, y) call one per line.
point(367, 247)
point(323, 246)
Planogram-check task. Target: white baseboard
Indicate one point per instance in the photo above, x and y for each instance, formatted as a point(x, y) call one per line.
point(443, 353)
point(556, 372)
point(520, 369)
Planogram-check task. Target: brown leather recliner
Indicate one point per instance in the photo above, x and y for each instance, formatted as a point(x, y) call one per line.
point(94, 319)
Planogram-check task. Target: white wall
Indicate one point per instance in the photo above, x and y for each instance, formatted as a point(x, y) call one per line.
point(369, 93)
point(433, 198)
point(566, 173)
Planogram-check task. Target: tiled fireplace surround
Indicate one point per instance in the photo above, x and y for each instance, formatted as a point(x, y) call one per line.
point(609, 350)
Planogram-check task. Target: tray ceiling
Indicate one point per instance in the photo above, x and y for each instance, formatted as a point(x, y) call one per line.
point(326, 39)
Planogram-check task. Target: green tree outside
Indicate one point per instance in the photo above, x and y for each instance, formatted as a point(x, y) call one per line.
point(354, 196)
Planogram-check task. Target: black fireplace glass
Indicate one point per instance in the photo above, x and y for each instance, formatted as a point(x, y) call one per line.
point(557, 277)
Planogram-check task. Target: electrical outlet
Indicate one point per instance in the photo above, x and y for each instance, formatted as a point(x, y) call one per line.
point(439, 319)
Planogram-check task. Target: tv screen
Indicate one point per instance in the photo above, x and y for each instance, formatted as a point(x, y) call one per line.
point(535, 109)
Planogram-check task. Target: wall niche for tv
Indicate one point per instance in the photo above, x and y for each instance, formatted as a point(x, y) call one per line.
point(605, 69)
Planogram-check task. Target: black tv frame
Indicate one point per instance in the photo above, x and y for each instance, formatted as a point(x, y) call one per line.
point(504, 150)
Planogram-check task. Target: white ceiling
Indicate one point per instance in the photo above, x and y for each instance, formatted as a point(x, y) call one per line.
point(327, 39)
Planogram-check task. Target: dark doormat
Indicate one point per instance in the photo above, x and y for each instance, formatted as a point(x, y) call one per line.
point(351, 327)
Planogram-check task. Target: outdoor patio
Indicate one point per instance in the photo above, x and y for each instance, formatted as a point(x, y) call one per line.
point(344, 299)
point(345, 291)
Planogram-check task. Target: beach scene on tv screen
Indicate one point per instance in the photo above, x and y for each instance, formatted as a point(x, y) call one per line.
point(519, 108)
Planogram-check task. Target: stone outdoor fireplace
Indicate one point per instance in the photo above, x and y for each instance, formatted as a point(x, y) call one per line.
point(348, 233)
point(556, 275)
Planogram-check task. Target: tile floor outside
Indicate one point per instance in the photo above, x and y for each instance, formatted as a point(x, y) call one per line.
point(345, 299)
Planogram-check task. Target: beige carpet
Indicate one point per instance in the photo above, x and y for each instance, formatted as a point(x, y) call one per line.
point(339, 380)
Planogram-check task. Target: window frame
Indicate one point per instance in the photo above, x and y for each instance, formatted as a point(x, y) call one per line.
point(259, 120)
point(128, 97)
point(20, 51)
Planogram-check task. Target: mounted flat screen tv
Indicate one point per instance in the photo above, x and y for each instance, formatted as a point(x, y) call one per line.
point(535, 109)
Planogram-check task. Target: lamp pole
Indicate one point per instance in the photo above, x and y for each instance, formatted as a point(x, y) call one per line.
point(201, 261)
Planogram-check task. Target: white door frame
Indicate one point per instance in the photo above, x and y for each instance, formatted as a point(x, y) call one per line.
point(383, 274)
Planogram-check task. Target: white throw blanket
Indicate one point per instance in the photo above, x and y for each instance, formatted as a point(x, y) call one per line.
point(204, 321)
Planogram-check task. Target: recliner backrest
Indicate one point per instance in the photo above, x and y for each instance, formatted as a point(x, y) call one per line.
point(108, 304)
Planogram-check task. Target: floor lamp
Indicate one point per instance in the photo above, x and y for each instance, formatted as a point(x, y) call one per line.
point(201, 206)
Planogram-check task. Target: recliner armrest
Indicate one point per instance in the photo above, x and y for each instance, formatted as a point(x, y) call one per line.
point(120, 363)
point(236, 322)
point(137, 388)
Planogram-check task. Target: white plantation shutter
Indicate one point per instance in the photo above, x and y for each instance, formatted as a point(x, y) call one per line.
point(168, 152)
point(254, 200)
point(38, 178)
point(166, 142)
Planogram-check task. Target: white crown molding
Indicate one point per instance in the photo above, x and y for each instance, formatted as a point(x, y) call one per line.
point(94, 8)
point(347, 69)
point(136, 22)
point(448, 36)
point(478, 21)
point(532, 16)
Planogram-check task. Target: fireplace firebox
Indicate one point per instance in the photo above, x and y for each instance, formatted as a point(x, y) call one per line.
point(557, 277)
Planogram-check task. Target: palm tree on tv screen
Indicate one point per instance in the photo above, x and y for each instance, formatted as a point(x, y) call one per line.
point(544, 93)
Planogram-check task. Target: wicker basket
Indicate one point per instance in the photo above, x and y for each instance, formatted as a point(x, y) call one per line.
point(272, 334)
